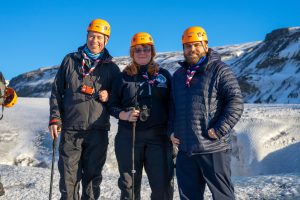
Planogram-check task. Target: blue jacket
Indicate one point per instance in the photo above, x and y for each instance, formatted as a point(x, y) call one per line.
point(213, 100)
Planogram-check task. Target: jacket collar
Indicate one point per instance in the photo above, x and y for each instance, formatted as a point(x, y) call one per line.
point(210, 57)
point(106, 56)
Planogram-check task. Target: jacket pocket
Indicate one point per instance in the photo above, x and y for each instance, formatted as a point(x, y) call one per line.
point(74, 109)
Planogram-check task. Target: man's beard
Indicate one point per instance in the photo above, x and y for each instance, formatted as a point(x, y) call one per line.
point(193, 58)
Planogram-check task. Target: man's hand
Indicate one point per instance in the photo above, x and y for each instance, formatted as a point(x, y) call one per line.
point(212, 134)
point(174, 140)
point(103, 96)
point(54, 130)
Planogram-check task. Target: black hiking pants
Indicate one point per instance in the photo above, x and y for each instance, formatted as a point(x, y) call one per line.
point(82, 155)
point(152, 152)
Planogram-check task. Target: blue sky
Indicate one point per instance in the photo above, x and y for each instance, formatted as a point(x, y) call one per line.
point(39, 33)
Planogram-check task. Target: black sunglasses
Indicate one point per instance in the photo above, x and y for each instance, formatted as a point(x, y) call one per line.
point(145, 50)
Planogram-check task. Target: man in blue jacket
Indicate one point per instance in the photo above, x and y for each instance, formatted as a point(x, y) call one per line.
point(207, 105)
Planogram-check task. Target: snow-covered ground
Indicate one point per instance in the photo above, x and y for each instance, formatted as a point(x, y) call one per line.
point(265, 157)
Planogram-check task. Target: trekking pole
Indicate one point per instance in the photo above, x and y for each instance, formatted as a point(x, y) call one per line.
point(52, 167)
point(133, 169)
point(136, 106)
point(174, 155)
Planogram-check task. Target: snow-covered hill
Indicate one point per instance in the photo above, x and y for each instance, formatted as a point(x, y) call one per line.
point(265, 156)
point(268, 71)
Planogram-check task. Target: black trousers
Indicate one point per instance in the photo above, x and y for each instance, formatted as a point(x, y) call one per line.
point(194, 172)
point(82, 155)
point(153, 152)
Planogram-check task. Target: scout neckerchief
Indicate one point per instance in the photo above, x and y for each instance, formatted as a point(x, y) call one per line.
point(87, 68)
point(86, 62)
point(151, 80)
point(148, 80)
point(190, 72)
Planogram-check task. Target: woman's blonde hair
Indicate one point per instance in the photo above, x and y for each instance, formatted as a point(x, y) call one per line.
point(133, 67)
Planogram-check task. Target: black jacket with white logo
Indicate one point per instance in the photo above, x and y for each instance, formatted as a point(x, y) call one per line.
point(130, 91)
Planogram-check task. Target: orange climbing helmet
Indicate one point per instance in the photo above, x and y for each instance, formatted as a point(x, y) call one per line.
point(194, 34)
point(99, 26)
point(10, 97)
point(141, 38)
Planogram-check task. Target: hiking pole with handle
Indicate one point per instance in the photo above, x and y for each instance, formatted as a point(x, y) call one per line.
point(136, 106)
point(133, 168)
point(52, 167)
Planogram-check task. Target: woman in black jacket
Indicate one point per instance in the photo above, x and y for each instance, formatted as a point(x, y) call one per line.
point(140, 97)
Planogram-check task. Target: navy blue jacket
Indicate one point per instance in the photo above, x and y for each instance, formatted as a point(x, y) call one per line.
point(125, 90)
point(213, 100)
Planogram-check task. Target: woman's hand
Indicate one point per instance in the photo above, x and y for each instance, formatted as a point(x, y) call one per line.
point(131, 116)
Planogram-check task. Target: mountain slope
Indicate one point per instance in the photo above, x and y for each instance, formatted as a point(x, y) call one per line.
point(270, 73)
point(267, 70)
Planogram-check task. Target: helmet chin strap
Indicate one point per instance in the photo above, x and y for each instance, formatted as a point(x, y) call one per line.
point(104, 43)
point(206, 51)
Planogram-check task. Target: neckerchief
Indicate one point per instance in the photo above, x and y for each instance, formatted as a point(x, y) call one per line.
point(86, 62)
point(190, 72)
point(148, 80)
point(92, 56)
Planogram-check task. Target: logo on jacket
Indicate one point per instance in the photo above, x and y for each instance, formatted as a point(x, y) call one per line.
point(161, 81)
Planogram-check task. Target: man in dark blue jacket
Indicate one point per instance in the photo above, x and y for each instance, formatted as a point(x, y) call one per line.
point(207, 105)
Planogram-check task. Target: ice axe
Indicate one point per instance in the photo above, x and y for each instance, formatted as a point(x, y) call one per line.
point(52, 167)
